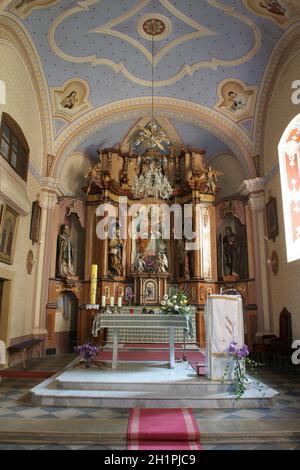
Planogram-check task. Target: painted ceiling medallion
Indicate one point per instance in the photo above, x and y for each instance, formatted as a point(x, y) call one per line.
point(154, 25)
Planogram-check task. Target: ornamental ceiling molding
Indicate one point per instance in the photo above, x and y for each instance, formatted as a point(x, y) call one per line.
point(163, 122)
point(236, 99)
point(24, 8)
point(283, 19)
point(286, 48)
point(220, 126)
point(13, 33)
point(70, 100)
point(186, 69)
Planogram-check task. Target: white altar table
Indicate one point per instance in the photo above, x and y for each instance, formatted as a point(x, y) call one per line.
point(118, 321)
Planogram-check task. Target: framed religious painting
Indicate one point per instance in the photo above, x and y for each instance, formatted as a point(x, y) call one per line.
point(272, 219)
point(8, 235)
point(35, 222)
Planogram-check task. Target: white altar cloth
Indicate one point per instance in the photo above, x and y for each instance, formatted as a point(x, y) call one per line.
point(223, 324)
point(117, 321)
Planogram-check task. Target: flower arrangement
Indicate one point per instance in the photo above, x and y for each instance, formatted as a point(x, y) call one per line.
point(87, 351)
point(150, 266)
point(176, 302)
point(240, 358)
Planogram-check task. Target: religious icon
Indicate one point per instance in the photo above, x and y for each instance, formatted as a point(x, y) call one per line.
point(273, 6)
point(272, 219)
point(8, 235)
point(236, 101)
point(70, 100)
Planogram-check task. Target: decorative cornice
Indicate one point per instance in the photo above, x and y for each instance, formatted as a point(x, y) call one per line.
point(255, 190)
point(13, 33)
point(227, 131)
point(288, 45)
point(199, 31)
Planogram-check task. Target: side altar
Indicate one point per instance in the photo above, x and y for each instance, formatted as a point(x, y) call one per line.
point(153, 206)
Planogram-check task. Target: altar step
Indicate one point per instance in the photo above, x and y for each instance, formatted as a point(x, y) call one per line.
point(145, 386)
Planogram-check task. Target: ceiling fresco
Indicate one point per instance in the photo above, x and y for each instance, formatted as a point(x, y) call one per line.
point(209, 52)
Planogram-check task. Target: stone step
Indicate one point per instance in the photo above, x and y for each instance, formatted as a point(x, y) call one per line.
point(150, 399)
point(83, 431)
point(184, 389)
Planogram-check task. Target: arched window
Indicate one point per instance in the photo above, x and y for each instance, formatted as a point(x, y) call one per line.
point(13, 145)
point(289, 161)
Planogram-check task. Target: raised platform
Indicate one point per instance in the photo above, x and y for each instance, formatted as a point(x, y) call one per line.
point(144, 385)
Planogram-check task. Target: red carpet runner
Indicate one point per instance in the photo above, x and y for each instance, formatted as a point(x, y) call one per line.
point(162, 429)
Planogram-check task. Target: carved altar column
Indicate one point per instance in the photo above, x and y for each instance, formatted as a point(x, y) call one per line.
point(197, 229)
point(103, 255)
point(47, 201)
point(254, 189)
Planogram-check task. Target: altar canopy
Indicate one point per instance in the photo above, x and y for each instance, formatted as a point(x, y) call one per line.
point(223, 324)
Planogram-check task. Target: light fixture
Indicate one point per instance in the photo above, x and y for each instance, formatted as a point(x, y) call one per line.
point(151, 144)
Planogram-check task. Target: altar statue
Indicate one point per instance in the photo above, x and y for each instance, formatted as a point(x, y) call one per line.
point(65, 254)
point(231, 243)
point(115, 248)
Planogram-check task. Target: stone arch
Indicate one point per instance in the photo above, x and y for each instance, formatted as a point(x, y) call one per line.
point(287, 47)
point(14, 34)
point(223, 128)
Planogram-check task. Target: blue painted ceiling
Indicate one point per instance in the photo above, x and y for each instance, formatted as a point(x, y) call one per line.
point(227, 38)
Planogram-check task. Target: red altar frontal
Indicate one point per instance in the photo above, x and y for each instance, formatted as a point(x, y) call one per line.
point(139, 270)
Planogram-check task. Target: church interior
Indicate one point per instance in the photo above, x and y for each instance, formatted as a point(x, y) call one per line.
point(149, 224)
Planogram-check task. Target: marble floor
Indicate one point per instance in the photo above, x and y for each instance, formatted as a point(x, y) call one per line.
point(15, 408)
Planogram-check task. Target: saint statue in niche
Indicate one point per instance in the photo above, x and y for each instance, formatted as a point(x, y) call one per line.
point(231, 244)
point(65, 254)
point(115, 249)
point(70, 100)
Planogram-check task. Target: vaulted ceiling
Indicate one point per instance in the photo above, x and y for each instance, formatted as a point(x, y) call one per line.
point(203, 49)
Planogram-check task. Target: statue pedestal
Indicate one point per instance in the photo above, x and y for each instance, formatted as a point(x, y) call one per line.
point(149, 288)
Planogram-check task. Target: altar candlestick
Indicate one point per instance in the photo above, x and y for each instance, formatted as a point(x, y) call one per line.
point(119, 301)
point(112, 301)
point(93, 284)
point(103, 304)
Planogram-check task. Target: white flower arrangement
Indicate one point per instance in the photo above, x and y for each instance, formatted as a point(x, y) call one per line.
point(175, 303)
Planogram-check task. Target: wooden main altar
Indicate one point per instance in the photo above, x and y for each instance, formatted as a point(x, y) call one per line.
point(147, 267)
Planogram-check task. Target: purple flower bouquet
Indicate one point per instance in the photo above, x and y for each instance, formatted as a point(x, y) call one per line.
point(87, 351)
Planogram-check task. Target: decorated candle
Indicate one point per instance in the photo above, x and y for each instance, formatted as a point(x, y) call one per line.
point(93, 284)
point(112, 301)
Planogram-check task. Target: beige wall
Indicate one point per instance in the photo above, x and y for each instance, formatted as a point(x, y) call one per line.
point(21, 104)
point(284, 288)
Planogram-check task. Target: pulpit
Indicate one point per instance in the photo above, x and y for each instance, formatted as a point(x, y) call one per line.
point(223, 324)
point(149, 288)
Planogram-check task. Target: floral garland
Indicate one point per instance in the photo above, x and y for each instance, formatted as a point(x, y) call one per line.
point(239, 356)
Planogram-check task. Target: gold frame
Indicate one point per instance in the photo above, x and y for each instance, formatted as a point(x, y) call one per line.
point(8, 258)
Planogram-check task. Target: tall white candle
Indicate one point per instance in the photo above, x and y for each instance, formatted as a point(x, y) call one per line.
point(112, 301)
point(119, 301)
point(103, 301)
